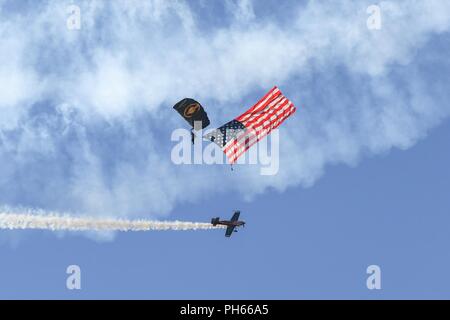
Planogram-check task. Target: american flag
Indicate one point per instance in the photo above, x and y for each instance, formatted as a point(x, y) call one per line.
point(238, 135)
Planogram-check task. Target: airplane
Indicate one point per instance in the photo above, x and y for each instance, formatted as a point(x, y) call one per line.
point(231, 224)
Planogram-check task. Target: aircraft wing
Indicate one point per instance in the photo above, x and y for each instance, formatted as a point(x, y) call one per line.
point(235, 216)
point(229, 231)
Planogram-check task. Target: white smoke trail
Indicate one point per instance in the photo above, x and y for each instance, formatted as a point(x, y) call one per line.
point(9, 220)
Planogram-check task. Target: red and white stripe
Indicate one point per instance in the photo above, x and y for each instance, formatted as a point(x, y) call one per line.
point(267, 114)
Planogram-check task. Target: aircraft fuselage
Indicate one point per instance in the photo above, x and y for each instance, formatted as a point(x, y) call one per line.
point(229, 223)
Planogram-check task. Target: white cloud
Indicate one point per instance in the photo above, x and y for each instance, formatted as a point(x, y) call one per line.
point(108, 89)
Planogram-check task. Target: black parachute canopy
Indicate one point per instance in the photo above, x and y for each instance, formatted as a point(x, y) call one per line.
point(192, 111)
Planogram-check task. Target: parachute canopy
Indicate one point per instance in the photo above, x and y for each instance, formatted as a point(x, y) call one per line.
point(192, 111)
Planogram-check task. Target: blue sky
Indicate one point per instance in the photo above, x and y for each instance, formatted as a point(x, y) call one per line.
point(363, 178)
point(305, 243)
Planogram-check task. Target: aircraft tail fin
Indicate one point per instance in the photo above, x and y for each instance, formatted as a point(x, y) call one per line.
point(215, 221)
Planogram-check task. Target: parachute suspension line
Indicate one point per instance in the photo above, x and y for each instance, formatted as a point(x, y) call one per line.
point(192, 136)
